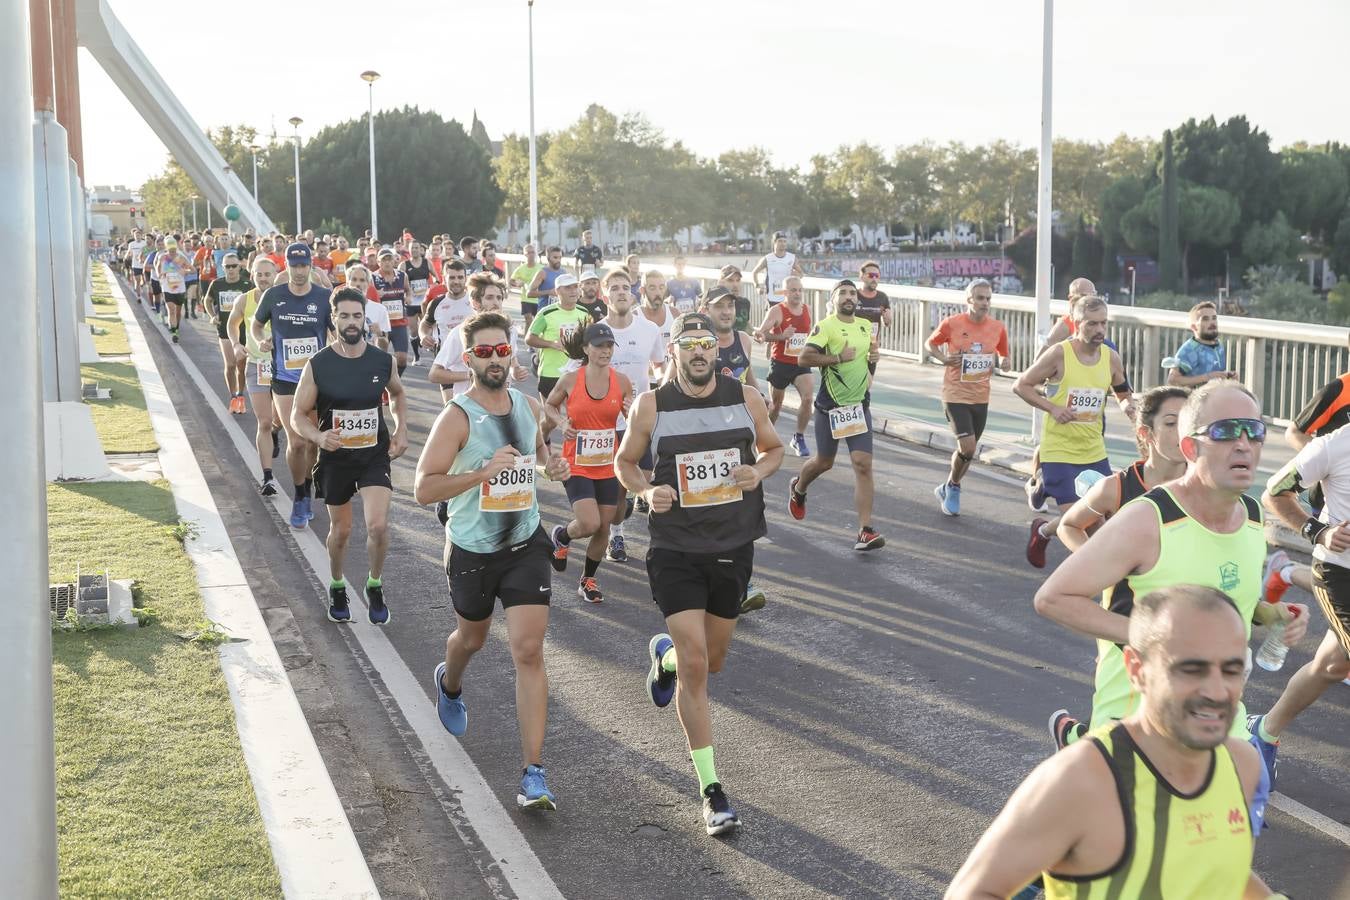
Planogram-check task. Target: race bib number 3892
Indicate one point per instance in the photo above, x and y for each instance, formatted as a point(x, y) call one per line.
point(510, 490)
point(705, 477)
point(1086, 404)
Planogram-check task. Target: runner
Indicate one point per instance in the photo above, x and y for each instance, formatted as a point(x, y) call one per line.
point(323, 264)
point(394, 292)
point(191, 277)
point(341, 256)
point(450, 370)
point(417, 269)
point(301, 320)
point(543, 287)
point(1202, 357)
point(841, 345)
point(221, 295)
point(970, 345)
point(589, 433)
point(1083, 371)
point(661, 314)
point(171, 271)
point(683, 290)
point(155, 248)
point(733, 344)
point(488, 252)
point(554, 324)
point(1326, 461)
point(1165, 790)
point(588, 258)
point(776, 266)
point(785, 327)
point(1200, 529)
point(480, 456)
point(136, 253)
point(633, 266)
point(343, 384)
point(468, 251)
point(450, 309)
point(730, 281)
point(377, 317)
point(258, 380)
point(714, 446)
point(591, 301)
point(522, 278)
point(874, 305)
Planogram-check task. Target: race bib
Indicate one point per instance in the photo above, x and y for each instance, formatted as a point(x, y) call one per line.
point(226, 300)
point(566, 331)
point(876, 330)
point(684, 305)
point(395, 307)
point(846, 421)
point(796, 343)
point(419, 290)
point(510, 490)
point(976, 366)
point(705, 477)
point(358, 428)
point(295, 352)
point(264, 372)
point(595, 448)
point(1086, 404)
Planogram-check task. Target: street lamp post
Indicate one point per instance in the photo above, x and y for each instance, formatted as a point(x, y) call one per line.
point(253, 148)
point(370, 76)
point(295, 123)
point(182, 218)
point(194, 212)
point(1044, 195)
point(534, 172)
point(229, 226)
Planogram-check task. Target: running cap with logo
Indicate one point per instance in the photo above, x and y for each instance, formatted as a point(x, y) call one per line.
point(297, 254)
point(693, 321)
point(386, 250)
point(565, 279)
point(599, 333)
point(590, 275)
point(718, 293)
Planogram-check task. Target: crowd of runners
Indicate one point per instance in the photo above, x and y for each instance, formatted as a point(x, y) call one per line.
point(645, 403)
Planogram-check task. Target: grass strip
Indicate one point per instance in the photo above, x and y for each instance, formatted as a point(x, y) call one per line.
point(122, 423)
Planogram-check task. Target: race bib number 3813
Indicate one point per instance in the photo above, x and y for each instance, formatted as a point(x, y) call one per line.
point(705, 477)
point(510, 490)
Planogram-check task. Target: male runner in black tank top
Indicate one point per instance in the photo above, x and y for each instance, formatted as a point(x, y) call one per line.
point(343, 383)
point(714, 445)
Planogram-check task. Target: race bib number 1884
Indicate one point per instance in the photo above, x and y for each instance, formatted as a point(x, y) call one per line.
point(846, 421)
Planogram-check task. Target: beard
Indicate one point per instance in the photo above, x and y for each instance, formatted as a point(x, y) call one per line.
point(352, 335)
point(493, 377)
point(847, 307)
point(697, 379)
point(1211, 334)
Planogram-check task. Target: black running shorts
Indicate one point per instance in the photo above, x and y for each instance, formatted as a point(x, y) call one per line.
point(1331, 587)
point(712, 582)
point(336, 480)
point(518, 575)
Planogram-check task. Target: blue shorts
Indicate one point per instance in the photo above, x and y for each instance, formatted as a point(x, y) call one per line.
point(1058, 479)
point(827, 444)
point(398, 338)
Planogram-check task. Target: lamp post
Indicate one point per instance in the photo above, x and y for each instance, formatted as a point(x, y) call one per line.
point(194, 212)
point(182, 218)
point(253, 148)
point(1044, 195)
point(534, 172)
point(370, 76)
point(295, 123)
point(229, 226)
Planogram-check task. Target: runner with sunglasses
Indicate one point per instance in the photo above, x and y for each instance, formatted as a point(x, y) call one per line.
point(1084, 370)
point(596, 397)
point(714, 446)
point(1200, 529)
point(481, 457)
point(221, 295)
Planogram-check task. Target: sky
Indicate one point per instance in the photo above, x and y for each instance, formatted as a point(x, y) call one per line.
point(794, 78)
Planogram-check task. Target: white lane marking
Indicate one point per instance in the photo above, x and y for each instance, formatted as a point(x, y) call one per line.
point(489, 820)
point(312, 843)
point(1311, 817)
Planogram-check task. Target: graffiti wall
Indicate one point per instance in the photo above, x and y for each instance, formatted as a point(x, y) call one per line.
point(928, 271)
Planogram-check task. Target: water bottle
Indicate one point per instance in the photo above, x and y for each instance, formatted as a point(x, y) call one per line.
point(1273, 650)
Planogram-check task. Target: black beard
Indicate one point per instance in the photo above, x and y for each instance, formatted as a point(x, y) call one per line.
point(490, 381)
point(352, 336)
point(697, 380)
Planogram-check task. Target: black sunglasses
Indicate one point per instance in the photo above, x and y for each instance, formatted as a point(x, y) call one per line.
point(1232, 429)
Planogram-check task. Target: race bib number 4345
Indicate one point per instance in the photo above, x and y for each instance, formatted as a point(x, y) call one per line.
point(510, 490)
point(357, 428)
point(295, 352)
point(705, 477)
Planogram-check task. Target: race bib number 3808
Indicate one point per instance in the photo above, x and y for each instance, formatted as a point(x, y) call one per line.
point(510, 490)
point(705, 477)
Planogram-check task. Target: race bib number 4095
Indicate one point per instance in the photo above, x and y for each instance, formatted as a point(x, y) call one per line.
point(705, 477)
point(510, 490)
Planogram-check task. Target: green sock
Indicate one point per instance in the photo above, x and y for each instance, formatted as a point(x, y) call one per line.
point(1074, 736)
point(668, 660)
point(372, 581)
point(339, 583)
point(703, 765)
point(1265, 735)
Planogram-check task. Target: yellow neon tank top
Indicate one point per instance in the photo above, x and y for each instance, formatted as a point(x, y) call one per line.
point(1188, 553)
point(1083, 389)
point(1177, 846)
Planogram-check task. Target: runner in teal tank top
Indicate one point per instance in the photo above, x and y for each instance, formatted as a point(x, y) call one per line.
point(483, 456)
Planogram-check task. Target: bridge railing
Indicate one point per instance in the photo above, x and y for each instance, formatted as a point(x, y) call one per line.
point(1283, 363)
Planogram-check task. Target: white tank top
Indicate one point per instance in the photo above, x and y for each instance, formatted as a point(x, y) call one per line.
point(777, 269)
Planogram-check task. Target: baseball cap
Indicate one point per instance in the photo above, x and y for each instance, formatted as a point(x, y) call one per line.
point(386, 250)
point(600, 333)
point(716, 294)
point(693, 321)
point(297, 254)
point(590, 275)
point(170, 242)
point(564, 280)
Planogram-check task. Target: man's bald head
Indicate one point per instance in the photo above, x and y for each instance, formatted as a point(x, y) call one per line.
point(1081, 287)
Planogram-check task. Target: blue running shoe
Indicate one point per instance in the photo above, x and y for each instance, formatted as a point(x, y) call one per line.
point(617, 552)
point(309, 507)
point(298, 517)
point(534, 793)
point(799, 446)
point(338, 609)
point(1269, 752)
point(949, 495)
point(660, 683)
point(454, 716)
point(379, 611)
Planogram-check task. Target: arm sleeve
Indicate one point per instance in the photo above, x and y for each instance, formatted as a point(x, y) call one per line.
point(429, 313)
point(1318, 411)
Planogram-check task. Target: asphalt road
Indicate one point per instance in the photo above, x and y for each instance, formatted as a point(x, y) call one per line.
point(869, 722)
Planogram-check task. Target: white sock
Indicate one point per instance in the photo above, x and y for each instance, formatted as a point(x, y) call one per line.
point(616, 530)
point(1044, 533)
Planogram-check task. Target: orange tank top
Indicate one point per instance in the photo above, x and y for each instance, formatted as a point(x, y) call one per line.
point(591, 452)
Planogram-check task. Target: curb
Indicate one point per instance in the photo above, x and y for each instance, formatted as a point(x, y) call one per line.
point(313, 846)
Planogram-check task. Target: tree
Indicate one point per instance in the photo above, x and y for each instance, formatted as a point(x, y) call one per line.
point(825, 207)
point(1022, 251)
point(1235, 157)
point(511, 171)
point(860, 173)
point(1313, 186)
point(577, 162)
point(1168, 219)
point(1340, 248)
point(1119, 197)
point(1205, 217)
point(913, 180)
point(1275, 243)
point(1086, 259)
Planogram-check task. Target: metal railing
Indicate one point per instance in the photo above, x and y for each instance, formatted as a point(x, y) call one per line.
point(1283, 363)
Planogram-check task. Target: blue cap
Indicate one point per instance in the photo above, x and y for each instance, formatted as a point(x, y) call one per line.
point(297, 254)
point(599, 333)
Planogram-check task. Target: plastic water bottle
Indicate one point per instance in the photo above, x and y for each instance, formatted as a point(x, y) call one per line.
point(1085, 480)
point(1273, 650)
